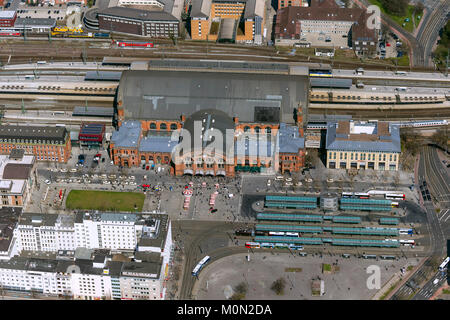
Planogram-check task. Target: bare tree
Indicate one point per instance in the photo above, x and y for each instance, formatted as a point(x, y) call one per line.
point(278, 286)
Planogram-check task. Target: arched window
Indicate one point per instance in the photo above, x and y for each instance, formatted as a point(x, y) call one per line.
point(173, 126)
point(163, 126)
point(152, 125)
point(257, 129)
point(246, 129)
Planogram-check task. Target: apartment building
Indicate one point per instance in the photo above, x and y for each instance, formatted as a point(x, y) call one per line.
point(292, 3)
point(8, 18)
point(17, 176)
point(230, 20)
point(324, 24)
point(363, 145)
point(159, 24)
point(98, 277)
point(45, 143)
point(125, 232)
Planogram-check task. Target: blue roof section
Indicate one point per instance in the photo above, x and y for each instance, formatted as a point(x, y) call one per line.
point(366, 146)
point(389, 221)
point(293, 199)
point(366, 231)
point(157, 144)
point(346, 219)
point(365, 243)
point(270, 204)
point(290, 140)
point(366, 201)
point(289, 217)
point(128, 135)
point(288, 228)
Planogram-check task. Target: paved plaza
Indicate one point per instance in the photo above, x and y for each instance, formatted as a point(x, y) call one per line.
point(217, 280)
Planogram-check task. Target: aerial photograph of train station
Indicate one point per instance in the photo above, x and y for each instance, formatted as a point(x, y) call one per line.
point(251, 152)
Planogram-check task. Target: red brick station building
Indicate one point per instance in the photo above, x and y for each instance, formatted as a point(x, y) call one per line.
point(257, 108)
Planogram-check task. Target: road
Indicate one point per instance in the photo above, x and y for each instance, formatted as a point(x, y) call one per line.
point(198, 239)
point(421, 45)
point(432, 173)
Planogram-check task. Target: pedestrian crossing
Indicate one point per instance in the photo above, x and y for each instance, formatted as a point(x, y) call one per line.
point(444, 215)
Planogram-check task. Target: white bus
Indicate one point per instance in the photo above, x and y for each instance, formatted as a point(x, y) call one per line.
point(29, 77)
point(200, 265)
point(41, 62)
point(403, 89)
point(407, 242)
point(292, 234)
point(444, 264)
point(400, 72)
point(273, 233)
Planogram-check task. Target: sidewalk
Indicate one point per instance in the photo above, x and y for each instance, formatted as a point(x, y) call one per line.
point(439, 291)
point(411, 273)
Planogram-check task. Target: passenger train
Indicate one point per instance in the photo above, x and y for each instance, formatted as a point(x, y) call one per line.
point(419, 124)
point(367, 97)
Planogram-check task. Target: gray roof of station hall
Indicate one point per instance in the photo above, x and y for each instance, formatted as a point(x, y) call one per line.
point(290, 140)
point(252, 97)
point(384, 144)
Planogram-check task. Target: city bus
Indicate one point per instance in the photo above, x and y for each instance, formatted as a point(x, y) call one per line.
point(407, 242)
point(291, 234)
point(369, 256)
point(362, 195)
point(444, 264)
point(252, 245)
point(274, 233)
point(402, 73)
point(394, 204)
point(395, 196)
point(200, 265)
point(391, 195)
point(388, 257)
point(405, 231)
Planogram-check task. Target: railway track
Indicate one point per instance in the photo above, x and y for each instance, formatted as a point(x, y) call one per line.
point(428, 37)
point(405, 114)
point(27, 52)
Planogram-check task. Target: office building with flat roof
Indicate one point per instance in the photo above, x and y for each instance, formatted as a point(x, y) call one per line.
point(45, 143)
point(363, 145)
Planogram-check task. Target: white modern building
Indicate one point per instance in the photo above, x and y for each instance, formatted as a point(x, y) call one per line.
point(85, 271)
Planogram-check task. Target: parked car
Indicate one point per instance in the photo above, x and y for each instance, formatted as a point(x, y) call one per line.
point(47, 181)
